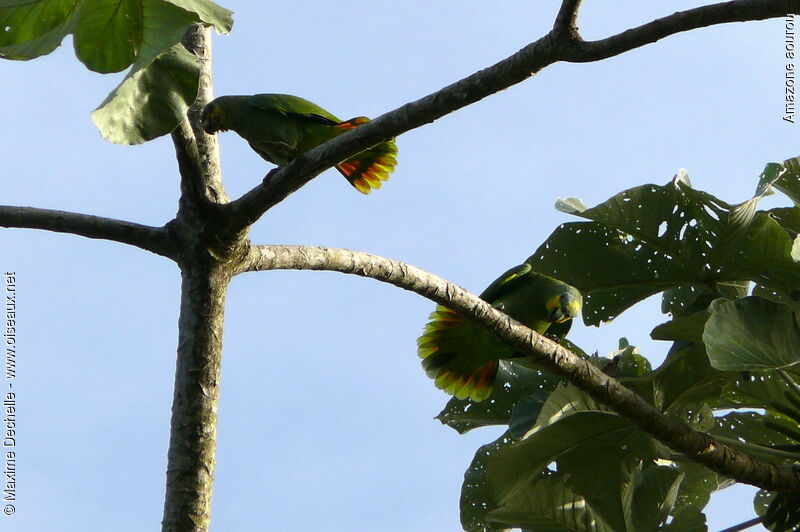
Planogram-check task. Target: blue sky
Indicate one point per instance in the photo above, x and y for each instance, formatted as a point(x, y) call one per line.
point(325, 414)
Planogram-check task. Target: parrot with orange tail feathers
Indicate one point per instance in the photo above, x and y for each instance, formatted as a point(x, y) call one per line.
point(462, 356)
point(281, 127)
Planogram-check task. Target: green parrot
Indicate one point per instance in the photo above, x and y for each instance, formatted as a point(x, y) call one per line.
point(281, 127)
point(462, 356)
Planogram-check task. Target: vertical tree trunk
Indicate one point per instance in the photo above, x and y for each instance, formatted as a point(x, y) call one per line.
point(205, 276)
point(192, 446)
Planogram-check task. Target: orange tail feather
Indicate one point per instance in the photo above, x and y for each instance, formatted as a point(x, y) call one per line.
point(450, 372)
point(368, 169)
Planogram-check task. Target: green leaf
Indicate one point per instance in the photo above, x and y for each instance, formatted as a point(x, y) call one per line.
point(762, 500)
point(151, 101)
point(477, 499)
point(652, 493)
point(761, 389)
point(653, 238)
point(784, 177)
point(683, 300)
point(687, 519)
point(686, 380)
point(22, 21)
point(600, 477)
point(570, 205)
point(630, 363)
point(588, 429)
point(566, 399)
point(749, 429)
point(525, 413)
point(780, 511)
point(32, 29)
point(208, 12)
point(549, 505)
point(751, 334)
point(687, 328)
point(699, 482)
point(110, 35)
point(513, 382)
point(787, 217)
point(113, 34)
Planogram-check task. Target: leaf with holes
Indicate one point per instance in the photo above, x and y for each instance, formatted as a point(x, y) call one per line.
point(513, 383)
point(655, 238)
point(783, 176)
point(549, 505)
point(769, 431)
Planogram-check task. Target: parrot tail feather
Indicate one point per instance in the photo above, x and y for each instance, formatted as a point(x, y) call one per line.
point(368, 169)
point(450, 372)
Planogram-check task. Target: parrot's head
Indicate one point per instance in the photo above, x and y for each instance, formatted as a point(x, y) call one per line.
point(213, 118)
point(564, 306)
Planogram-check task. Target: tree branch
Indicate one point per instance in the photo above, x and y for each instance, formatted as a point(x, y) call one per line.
point(153, 239)
point(201, 178)
point(700, 17)
point(550, 355)
point(567, 17)
point(558, 45)
point(189, 167)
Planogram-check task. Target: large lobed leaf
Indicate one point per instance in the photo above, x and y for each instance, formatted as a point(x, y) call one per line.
point(752, 334)
point(549, 505)
point(581, 468)
point(567, 463)
point(653, 238)
point(150, 102)
point(110, 35)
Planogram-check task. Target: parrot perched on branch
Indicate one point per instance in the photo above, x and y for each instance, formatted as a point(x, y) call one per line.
point(463, 356)
point(281, 127)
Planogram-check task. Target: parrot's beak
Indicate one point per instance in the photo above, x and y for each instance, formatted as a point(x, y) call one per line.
point(206, 120)
point(564, 308)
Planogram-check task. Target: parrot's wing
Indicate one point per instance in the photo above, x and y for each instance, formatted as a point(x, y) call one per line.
point(274, 151)
point(369, 168)
point(313, 117)
point(460, 355)
point(506, 282)
point(288, 104)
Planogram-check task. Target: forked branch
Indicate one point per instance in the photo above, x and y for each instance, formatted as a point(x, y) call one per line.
point(558, 45)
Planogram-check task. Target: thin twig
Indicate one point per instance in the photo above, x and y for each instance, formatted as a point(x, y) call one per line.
point(743, 526)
